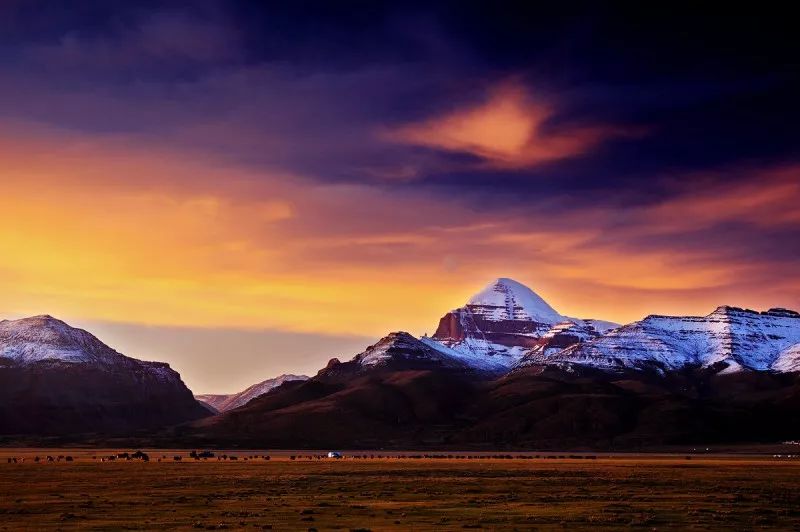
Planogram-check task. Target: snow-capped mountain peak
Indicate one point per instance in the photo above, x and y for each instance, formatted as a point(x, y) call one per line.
point(45, 362)
point(43, 337)
point(737, 338)
point(507, 299)
point(502, 322)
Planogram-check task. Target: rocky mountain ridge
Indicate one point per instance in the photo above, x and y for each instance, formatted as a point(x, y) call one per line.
point(225, 402)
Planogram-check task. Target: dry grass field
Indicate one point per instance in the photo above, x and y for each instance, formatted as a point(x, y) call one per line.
point(710, 493)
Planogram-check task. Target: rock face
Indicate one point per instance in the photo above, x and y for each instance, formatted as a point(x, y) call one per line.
point(502, 322)
point(559, 337)
point(730, 338)
point(56, 380)
point(223, 403)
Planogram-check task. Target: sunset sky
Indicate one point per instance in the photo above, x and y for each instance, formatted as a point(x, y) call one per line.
point(243, 189)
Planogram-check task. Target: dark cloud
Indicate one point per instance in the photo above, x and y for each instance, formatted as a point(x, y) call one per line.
point(308, 88)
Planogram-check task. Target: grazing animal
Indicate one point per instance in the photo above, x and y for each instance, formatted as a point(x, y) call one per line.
point(139, 455)
point(177, 458)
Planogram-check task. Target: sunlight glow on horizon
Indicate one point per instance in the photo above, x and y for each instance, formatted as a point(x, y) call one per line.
point(104, 232)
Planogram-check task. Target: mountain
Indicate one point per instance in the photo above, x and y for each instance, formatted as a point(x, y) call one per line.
point(729, 338)
point(580, 406)
point(501, 323)
point(400, 351)
point(508, 370)
point(393, 406)
point(396, 388)
point(223, 403)
point(56, 379)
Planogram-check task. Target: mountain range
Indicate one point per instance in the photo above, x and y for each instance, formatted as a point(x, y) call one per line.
point(505, 369)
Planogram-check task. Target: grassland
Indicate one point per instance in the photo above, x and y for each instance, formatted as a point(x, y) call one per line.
point(661, 493)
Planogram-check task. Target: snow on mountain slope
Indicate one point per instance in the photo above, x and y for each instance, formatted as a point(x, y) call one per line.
point(501, 323)
point(601, 326)
point(506, 299)
point(45, 338)
point(474, 357)
point(788, 360)
point(559, 337)
point(742, 339)
point(56, 379)
point(225, 402)
point(400, 349)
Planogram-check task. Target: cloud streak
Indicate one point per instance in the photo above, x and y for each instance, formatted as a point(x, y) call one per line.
point(508, 130)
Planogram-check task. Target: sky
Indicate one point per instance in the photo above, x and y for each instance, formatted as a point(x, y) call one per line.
point(246, 188)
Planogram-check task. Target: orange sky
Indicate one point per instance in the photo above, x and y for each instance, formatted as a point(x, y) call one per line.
point(212, 179)
point(175, 254)
point(117, 231)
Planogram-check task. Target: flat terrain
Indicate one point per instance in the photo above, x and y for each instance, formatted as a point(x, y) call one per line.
point(652, 492)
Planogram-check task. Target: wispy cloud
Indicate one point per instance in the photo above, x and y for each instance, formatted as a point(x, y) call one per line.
point(509, 129)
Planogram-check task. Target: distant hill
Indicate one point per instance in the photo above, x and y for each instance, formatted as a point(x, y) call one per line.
point(225, 402)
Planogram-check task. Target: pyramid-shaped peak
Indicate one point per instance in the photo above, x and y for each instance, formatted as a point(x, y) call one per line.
point(515, 301)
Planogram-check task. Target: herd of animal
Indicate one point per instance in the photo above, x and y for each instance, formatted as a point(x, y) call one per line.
point(206, 455)
point(142, 457)
point(37, 459)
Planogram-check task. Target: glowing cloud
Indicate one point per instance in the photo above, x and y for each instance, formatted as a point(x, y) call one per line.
point(509, 129)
